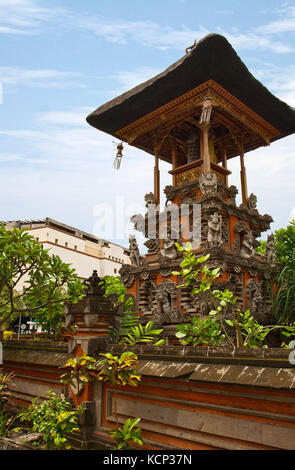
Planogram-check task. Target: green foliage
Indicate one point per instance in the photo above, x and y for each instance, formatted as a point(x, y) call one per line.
point(252, 333)
point(114, 285)
point(126, 434)
point(6, 421)
point(81, 370)
point(281, 287)
point(141, 334)
point(118, 370)
point(5, 379)
point(131, 331)
point(261, 249)
point(199, 332)
point(194, 270)
point(54, 418)
point(48, 282)
point(248, 332)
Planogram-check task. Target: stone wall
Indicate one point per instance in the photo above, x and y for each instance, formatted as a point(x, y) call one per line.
point(188, 398)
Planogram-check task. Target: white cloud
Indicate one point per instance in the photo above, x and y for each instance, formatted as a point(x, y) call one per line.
point(151, 34)
point(25, 16)
point(41, 78)
point(279, 80)
point(285, 24)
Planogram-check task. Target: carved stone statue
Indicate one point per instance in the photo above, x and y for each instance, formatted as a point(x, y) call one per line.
point(169, 249)
point(149, 199)
point(247, 248)
point(214, 236)
point(254, 298)
point(270, 253)
point(139, 222)
point(134, 251)
point(166, 298)
point(252, 202)
point(208, 183)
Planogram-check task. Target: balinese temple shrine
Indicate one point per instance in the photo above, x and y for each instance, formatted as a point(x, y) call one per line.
point(196, 115)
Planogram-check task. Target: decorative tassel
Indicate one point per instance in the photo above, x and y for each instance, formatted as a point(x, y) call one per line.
point(117, 161)
point(206, 111)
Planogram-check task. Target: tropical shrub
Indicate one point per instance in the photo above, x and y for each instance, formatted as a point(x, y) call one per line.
point(48, 282)
point(200, 332)
point(54, 418)
point(131, 331)
point(118, 371)
point(248, 332)
point(128, 433)
point(81, 370)
point(6, 420)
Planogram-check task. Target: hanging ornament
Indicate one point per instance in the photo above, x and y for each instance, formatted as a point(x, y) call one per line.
point(119, 155)
point(206, 111)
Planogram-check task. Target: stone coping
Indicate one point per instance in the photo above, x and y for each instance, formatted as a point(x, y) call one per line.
point(265, 357)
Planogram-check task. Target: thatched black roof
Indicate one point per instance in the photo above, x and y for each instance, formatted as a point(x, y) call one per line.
point(211, 58)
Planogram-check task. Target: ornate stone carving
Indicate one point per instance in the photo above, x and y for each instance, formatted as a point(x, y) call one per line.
point(139, 222)
point(214, 236)
point(127, 274)
point(169, 249)
point(90, 319)
point(134, 252)
point(247, 247)
point(270, 253)
point(166, 297)
point(149, 199)
point(208, 184)
point(169, 193)
point(153, 245)
point(94, 284)
point(147, 297)
point(255, 299)
point(252, 202)
point(235, 285)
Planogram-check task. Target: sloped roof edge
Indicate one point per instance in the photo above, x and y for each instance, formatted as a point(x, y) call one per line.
point(212, 57)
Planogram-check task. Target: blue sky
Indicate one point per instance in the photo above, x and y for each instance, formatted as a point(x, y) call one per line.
point(62, 59)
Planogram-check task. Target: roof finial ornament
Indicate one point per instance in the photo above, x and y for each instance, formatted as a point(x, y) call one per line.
point(188, 49)
point(119, 155)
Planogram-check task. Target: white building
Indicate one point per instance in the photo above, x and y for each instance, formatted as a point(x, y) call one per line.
point(85, 252)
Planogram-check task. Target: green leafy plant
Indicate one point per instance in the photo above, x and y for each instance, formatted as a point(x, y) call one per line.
point(47, 281)
point(6, 420)
point(54, 418)
point(248, 332)
point(281, 284)
point(129, 432)
point(118, 371)
point(81, 370)
point(200, 332)
point(251, 333)
point(131, 330)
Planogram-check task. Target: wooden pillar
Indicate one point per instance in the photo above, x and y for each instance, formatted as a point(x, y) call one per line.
point(206, 153)
point(224, 158)
point(174, 160)
point(243, 174)
point(157, 180)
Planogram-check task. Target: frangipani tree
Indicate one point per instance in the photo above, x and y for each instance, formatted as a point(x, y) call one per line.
point(46, 281)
